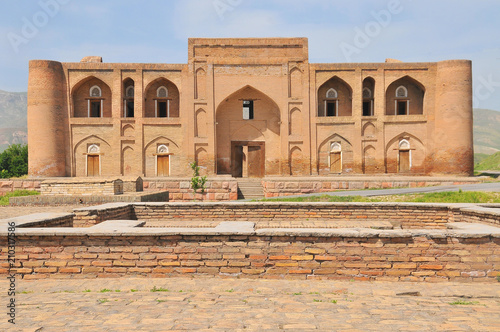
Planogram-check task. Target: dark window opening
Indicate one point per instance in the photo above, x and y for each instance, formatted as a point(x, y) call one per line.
point(162, 109)
point(331, 108)
point(367, 108)
point(248, 110)
point(130, 109)
point(402, 107)
point(95, 109)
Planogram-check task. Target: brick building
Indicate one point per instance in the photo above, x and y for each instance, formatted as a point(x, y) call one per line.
point(249, 108)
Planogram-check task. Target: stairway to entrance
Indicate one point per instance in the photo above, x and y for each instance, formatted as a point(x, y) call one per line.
point(250, 189)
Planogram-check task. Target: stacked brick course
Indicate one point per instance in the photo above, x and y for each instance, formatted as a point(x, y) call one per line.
point(286, 187)
point(390, 258)
point(87, 217)
point(180, 190)
point(82, 187)
point(406, 215)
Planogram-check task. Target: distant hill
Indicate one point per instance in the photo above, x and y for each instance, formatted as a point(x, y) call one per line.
point(486, 131)
point(13, 124)
point(490, 163)
point(13, 118)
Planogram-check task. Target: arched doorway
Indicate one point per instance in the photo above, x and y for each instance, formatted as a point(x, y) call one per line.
point(248, 134)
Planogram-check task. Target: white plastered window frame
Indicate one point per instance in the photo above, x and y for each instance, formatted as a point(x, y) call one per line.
point(98, 95)
point(335, 147)
point(332, 98)
point(401, 98)
point(162, 150)
point(159, 94)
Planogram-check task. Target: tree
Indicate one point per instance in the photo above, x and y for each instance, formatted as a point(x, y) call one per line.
point(14, 161)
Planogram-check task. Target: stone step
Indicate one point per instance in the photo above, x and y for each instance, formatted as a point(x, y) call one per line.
point(250, 189)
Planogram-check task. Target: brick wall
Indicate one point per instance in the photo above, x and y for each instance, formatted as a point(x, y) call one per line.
point(8, 185)
point(180, 189)
point(90, 216)
point(81, 186)
point(257, 256)
point(407, 215)
point(286, 187)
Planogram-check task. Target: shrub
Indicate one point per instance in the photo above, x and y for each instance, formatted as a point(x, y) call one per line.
point(197, 182)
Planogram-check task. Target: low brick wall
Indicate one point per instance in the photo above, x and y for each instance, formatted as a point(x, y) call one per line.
point(93, 215)
point(286, 187)
point(408, 215)
point(489, 214)
point(82, 187)
point(418, 258)
point(95, 199)
point(8, 185)
point(180, 189)
point(464, 250)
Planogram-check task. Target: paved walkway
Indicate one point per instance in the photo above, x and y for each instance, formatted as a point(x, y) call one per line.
point(217, 304)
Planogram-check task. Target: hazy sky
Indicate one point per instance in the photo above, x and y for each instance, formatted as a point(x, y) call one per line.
point(338, 30)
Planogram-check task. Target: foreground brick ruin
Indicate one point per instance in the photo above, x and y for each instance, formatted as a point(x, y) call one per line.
point(365, 241)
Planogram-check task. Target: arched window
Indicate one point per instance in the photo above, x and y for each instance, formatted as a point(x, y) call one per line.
point(95, 91)
point(93, 148)
point(162, 103)
point(367, 93)
point(401, 92)
point(336, 147)
point(95, 102)
point(332, 102)
point(405, 96)
point(404, 145)
point(162, 92)
point(129, 92)
point(402, 101)
point(162, 148)
point(368, 97)
point(367, 102)
point(331, 94)
point(128, 102)
point(334, 98)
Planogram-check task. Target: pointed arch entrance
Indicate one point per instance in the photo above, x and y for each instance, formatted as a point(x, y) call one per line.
point(248, 134)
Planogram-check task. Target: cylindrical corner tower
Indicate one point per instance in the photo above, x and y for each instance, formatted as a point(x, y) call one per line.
point(46, 119)
point(453, 145)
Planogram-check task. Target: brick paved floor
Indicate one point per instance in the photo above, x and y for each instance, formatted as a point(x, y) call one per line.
point(185, 304)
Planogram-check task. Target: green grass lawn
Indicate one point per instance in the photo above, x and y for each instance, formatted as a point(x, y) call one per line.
point(442, 197)
point(4, 200)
